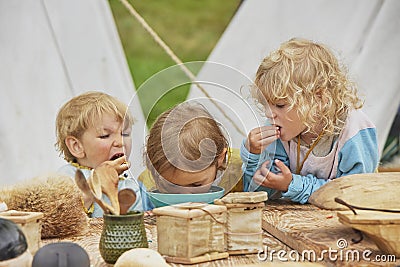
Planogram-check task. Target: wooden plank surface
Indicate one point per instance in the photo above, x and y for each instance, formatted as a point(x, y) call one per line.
point(290, 229)
point(90, 243)
point(308, 229)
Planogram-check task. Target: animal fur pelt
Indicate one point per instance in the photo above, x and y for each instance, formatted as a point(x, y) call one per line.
point(57, 197)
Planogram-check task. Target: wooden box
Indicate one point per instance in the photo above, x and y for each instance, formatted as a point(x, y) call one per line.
point(244, 232)
point(382, 227)
point(191, 232)
point(30, 224)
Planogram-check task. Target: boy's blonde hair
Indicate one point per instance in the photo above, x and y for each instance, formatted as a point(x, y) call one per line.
point(185, 137)
point(307, 76)
point(82, 112)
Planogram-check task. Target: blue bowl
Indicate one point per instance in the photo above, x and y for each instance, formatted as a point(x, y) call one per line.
point(160, 199)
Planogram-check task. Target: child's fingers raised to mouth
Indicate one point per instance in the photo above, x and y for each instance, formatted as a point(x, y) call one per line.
point(269, 131)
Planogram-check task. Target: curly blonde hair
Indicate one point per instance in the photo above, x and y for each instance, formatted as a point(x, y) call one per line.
point(185, 137)
point(307, 76)
point(82, 112)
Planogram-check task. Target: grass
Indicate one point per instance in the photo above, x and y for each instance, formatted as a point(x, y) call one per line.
point(191, 28)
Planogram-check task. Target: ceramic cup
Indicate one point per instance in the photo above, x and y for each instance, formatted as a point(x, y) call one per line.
point(121, 233)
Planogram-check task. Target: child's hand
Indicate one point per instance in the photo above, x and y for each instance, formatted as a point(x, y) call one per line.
point(280, 181)
point(261, 137)
point(120, 164)
point(106, 175)
point(108, 172)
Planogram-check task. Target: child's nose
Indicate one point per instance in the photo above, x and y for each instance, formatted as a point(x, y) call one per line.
point(117, 142)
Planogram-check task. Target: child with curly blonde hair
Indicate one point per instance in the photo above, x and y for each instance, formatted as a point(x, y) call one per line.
point(315, 130)
point(94, 131)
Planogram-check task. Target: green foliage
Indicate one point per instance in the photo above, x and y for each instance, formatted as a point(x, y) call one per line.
point(191, 28)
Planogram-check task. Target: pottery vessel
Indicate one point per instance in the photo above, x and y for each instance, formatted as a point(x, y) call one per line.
point(121, 233)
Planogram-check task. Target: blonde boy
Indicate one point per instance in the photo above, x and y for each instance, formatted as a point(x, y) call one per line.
point(94, 128)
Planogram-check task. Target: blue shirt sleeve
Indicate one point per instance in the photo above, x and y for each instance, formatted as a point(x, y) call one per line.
point(301, 187)
point(359, 154)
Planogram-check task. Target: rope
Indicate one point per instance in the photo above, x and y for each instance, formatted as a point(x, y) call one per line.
point(198, 206)
point(353, 207)
point(212, 216)
point(175, 58)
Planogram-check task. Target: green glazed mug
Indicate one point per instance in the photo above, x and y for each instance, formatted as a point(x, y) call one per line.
point(121, 233)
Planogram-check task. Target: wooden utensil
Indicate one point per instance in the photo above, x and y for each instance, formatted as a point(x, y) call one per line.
point(103, 178)
point(84, 187)
point(126, 198)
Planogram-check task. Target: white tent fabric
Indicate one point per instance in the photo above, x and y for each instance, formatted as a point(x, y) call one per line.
point(51, 51)
point(365, 34)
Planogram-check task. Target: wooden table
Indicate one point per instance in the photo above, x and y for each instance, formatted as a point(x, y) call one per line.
point(90, 243)
point(314, 232)
point(291, 231)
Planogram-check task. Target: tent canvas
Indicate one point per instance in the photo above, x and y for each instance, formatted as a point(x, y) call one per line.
point(51, 51)
point(364, 34)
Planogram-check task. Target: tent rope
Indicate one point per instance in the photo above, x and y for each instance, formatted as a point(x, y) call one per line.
point(175, 58)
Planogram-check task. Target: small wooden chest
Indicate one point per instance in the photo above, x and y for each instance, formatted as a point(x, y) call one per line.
point(191, 232)
point(30, 224)
point(244, 221)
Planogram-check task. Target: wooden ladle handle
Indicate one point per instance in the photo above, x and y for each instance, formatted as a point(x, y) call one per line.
point(83, 185)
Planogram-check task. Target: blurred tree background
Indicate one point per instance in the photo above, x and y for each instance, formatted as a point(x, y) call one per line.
point(191, 28)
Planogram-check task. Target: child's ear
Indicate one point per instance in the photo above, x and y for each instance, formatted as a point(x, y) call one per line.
point(75, 147)
point(222, 162)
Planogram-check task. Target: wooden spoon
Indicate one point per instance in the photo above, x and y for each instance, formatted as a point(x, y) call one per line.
point(103, 178)
point(84, 187)
point(126, 198)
